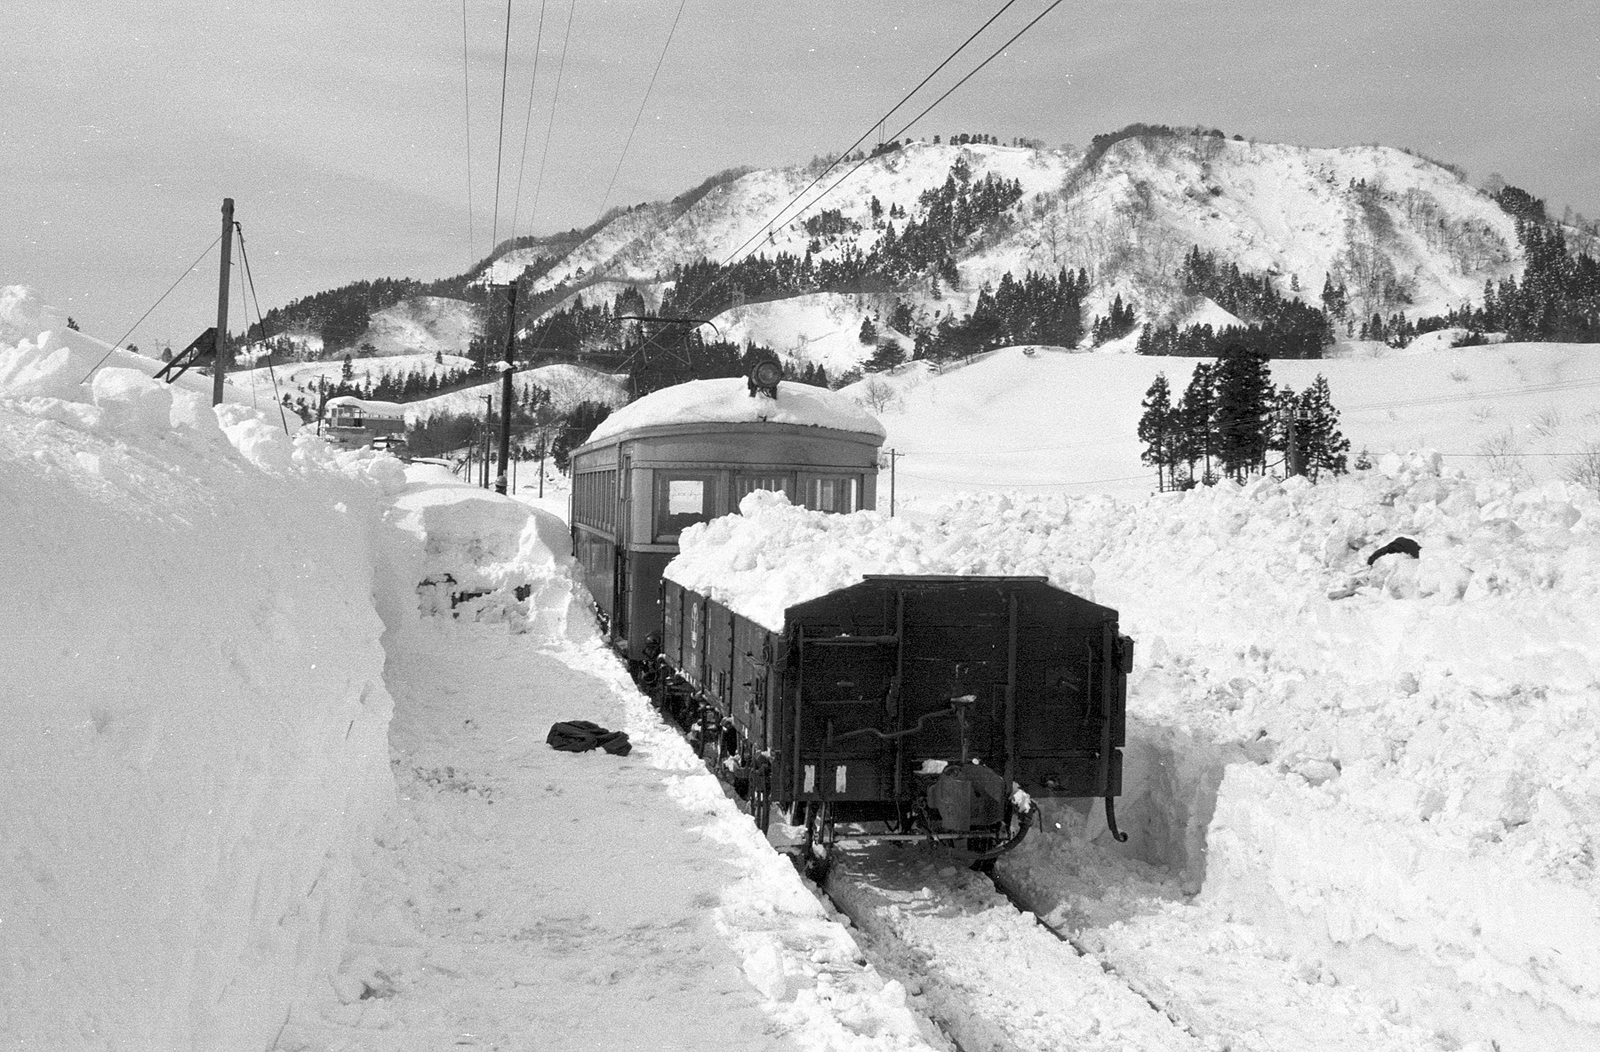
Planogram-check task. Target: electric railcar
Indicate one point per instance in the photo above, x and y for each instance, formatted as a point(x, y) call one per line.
point(690, 453)
point(352, 422)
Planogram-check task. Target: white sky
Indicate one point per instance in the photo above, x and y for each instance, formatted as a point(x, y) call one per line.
point(339, 128)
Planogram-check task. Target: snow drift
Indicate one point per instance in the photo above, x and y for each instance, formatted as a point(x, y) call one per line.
point(193, 700)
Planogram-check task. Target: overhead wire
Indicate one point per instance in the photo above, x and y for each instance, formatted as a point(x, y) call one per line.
point(777, 216)
point(606, 199)
point(903, 128)
point(864, 136)
point(555, 98)
point(527, 121)
point(187, 271)
point(499, 153)
point(261, 323)
point(466, 98)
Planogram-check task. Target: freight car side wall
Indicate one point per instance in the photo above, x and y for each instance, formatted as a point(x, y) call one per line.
point(727, 660)
point(864, 684)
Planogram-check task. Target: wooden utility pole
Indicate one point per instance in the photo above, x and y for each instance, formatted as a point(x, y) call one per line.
point(893, 456)
point(507, 366)
point(219, 367)
point(488, 436)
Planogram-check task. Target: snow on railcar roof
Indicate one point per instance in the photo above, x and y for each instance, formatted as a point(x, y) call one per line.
point(728, 401)
point(774, 555)
point(379, 408)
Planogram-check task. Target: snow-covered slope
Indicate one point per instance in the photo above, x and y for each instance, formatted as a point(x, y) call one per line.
point(1044, 421)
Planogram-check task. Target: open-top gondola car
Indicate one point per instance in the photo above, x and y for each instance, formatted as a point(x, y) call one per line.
point(929, 708)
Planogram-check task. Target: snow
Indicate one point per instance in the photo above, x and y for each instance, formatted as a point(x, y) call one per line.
point(194, 706)
point(729, 400)
point(823, 328)
point(268, 784)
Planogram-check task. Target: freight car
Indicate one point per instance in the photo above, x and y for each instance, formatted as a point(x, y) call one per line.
point(918, 706)
point(688, 454)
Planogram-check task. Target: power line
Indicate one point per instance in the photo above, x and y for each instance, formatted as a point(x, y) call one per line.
point(876, 125)
point(187, 271)
point(466, 98)
point(1026, 485)
point(903, 128)
point(261, 323)
point(527, 122)
point(505, 70)
point(1550, 387)
point(550, 128)
point(607, 198)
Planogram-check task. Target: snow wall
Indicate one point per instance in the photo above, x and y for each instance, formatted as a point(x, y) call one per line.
point(193, 701)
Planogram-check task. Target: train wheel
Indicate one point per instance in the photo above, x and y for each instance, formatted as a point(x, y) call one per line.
point(817, 850)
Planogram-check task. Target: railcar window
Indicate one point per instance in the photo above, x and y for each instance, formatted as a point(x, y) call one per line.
point(745, 484)
point(595, 499)
point(682, 501)
point(838, 494)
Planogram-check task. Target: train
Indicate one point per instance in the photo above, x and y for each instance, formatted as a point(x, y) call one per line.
point(930, 708)
point(352, 423)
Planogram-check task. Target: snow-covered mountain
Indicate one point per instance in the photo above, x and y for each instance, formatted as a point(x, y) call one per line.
point(1401, 232)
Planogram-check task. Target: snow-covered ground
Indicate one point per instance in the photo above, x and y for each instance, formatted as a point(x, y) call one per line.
point(1363, 800)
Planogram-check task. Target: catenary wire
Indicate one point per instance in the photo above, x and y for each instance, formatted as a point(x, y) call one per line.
point(878, 124)
point(605, 200)
point(189, 270)
point(466, 98)
point(903, 128)
point(499, 150)
point(527, 122)
point(561, 67)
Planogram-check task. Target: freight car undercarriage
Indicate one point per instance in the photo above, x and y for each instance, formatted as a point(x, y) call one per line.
point(961, 806)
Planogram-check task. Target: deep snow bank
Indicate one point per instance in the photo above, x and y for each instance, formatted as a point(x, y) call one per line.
point(1424, 728)
point(1315, 703)
point(192, 695)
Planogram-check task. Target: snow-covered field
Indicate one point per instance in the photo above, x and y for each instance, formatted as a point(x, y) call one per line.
point(1363, 800)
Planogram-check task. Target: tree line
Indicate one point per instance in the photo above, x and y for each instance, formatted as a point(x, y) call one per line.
point(1230, 419)
point(1281, 327)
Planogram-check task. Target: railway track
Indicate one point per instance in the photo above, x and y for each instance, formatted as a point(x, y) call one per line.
point(1174, 977)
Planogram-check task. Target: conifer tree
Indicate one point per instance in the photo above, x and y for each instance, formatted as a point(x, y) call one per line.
point(1196, 414)
point(1243, 396)
point(1322, 446)
point(1157, 430)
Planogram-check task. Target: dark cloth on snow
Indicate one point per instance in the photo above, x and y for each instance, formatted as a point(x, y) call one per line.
point(581, 736)
point(1398, 546)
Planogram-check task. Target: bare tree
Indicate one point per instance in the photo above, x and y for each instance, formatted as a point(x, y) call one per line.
point(877, 394)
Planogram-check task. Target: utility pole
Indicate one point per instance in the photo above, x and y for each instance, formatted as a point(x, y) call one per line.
point(219, 366)
point(1292, 453)
point(893, 456)
point(488, 435)
point(544, 443)
point(507, 367)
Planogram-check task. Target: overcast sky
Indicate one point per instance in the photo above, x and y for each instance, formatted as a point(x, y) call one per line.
point(340, 127)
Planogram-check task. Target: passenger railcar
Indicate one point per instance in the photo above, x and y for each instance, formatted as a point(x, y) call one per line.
point(353, 422)
point(690, 453)
point(919, 702)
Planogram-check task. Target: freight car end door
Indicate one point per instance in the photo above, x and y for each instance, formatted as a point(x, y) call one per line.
point(845, 697)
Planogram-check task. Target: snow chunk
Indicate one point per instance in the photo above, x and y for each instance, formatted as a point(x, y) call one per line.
point(728, 400)
point(773, 555)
